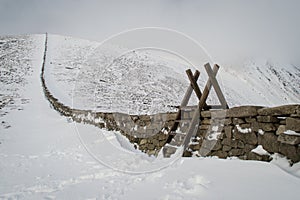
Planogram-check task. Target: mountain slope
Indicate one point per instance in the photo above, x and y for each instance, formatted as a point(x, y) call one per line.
point(88, 76)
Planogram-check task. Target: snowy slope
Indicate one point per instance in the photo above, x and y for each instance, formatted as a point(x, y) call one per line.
point(86, 75)
point(41, 157)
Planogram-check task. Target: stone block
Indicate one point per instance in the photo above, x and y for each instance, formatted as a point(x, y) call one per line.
point(250, 119)
point(248, 147)
point(289, 139)
point(247, 138)
point(267, 126)
point(269, 142)
point(280, 110)
point(236, 121)
point(206, 121)
point(281, 129)
point(268, 119)
point(205, 114)
point(293, 124)
point(243, 111)
point(236, 152)
point(226, 148)
point(220, 154)
point(240, 144)
point(289, 151)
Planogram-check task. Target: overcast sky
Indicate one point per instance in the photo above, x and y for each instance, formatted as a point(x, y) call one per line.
point(228, 29)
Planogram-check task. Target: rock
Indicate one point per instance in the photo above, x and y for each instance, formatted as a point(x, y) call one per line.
point(229, 142)
point(226, 148)
point(254, 156)
point(248, 147)
point(162, 143)
point(240, 144)
point(155, 142)
point(201, 133)
point(289, 139)
point(243, 111)
point(247, 138)
point(255, 126)
point(195, 147)
point(151, 146)
point(187, 154)
point(280, 110)
point(143, 141)
point(205, 114)
point(280, 129)
point(243, 126)
point(289, 151)
point(227, 121)
point(204, 127)
point(267, 126)
point(236, 121)
point(250, 119)
point(269, 142)
point(293, 124)
point(267, 119)
point(236, 152)
point(206, 121)
point(220, 154)
point(228, 131)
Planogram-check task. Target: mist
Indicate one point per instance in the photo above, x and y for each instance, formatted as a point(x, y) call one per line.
point(231, 31)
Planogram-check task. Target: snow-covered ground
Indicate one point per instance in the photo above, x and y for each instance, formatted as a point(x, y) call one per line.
point(42, 157)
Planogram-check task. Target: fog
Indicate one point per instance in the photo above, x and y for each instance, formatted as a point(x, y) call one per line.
point(231, 31)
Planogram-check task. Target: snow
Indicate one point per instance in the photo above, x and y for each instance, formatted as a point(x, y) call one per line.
point(290, 132)
point(243, 130)
point(42, 156)
point(90, 76)
point(260, 150)
point(261, 132)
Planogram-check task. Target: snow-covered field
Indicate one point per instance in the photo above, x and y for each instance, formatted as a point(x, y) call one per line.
point(42, 157)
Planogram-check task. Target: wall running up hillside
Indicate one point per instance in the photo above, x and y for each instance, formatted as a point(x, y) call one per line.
point(246, 132)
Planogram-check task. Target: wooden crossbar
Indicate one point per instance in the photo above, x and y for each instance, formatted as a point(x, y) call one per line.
point(214, 82)
point(202, 97)
point(196, 117)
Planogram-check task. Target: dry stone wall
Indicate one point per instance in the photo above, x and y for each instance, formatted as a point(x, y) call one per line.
point(246, 132)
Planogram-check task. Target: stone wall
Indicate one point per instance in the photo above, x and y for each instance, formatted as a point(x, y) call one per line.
point(240, 130)
point(246, 132)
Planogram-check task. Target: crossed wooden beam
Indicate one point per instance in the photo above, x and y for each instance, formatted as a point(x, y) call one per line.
point(202, 97)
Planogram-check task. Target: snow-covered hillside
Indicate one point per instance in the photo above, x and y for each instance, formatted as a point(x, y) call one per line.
point(87, 75)
point(41, 156)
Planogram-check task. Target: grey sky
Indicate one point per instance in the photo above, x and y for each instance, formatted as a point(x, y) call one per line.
point(228, 29)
